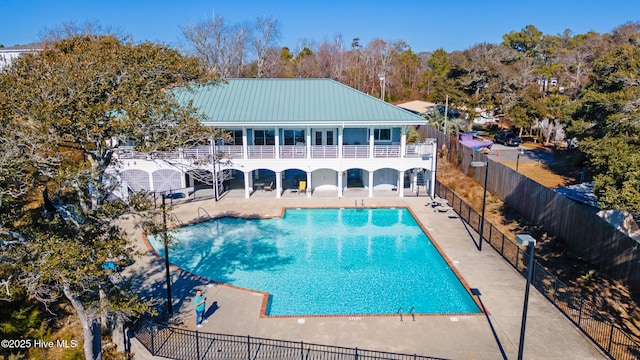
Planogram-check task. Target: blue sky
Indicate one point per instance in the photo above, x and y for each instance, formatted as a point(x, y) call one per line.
point(425, 25)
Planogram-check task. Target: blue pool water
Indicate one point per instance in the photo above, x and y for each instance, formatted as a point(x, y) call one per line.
point(325, 262)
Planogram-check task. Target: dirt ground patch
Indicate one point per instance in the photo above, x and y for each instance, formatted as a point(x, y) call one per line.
point(613, 298)
point(542, 174)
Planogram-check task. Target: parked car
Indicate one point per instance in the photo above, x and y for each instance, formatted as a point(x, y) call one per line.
point(507, 138)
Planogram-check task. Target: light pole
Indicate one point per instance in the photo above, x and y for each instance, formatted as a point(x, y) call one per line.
point(165, 240)
point(520, 152)
point(213, 164)
point(530, 242)
point(484, 196)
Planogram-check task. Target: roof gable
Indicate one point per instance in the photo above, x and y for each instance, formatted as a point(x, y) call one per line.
point(291, 102)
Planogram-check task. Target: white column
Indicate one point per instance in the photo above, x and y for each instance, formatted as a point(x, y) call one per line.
point(414, 180)
point(432, 185)
point(277, 140)
point(309, 184)
point(371, 142)
point(245, 149)
point(308, 147)
point(339, 184)
point(400, 186)
point(152, 186)
point(247, 184)
point(278, 184)
point(403, 141)
point(340, 141)
point(370, 183)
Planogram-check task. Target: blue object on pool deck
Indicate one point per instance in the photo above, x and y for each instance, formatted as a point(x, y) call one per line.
point(326, 262)
point(109, 265)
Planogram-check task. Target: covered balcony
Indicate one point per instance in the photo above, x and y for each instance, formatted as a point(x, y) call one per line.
point(288, 152)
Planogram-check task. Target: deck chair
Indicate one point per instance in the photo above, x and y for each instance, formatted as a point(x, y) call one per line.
point(442, 208)
point(268, 187)
point(302, 186)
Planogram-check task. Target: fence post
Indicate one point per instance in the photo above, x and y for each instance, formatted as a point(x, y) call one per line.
point(248, 347)
point(301, 350)
point(490, 231)
point(610, 340)
point(555, 289)
point(152, 331)
point(356, 358)
point(197, 346)
point(580, 312)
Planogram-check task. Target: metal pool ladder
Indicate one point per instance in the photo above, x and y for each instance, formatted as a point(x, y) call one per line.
point(206, 214)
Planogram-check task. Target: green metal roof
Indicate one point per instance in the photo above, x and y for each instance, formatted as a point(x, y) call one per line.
point(289, 102)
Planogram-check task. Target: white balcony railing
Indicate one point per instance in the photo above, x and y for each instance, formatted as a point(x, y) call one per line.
point(386, 151)
point(230, 151)
point(293, 152)
point(324, 151)
point(286, 152)
point(418, 150)
point(355, 151)
point(262, 152)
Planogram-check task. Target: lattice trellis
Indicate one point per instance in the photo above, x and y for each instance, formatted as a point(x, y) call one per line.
point(166, 179)
point(137, 180)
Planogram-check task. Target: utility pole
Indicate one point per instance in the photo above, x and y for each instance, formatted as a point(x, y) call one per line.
point(383, 84)
point(446, 111)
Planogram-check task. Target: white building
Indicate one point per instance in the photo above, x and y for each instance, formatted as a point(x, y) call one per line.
point(8, 54)
point(298, 135)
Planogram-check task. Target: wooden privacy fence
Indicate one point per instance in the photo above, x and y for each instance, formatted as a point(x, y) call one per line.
point(586, 315)
point(586, 234)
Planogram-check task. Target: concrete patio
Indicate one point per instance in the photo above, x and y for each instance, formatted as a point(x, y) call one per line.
point(493, 335)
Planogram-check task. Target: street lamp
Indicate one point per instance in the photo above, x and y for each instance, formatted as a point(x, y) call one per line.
point(484, 196)
point(165, 240)
point(213, 164)
point(520, 152)
point(530, 242)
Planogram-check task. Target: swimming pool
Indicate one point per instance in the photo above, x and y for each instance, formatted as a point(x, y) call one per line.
point(326, 262)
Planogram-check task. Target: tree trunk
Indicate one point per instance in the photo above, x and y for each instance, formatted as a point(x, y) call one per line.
point(117, 331)
point(92, 351)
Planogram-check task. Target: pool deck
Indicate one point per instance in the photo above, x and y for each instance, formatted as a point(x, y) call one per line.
point(493, 335)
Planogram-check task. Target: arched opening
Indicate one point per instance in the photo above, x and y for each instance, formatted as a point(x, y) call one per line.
point(263, 179)
point(294, 180)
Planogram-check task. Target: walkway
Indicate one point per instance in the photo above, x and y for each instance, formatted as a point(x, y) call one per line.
point(549, 334)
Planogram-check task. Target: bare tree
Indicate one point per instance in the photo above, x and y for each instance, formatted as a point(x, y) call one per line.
point(266, 35)
point(221, 48)
point(89, 28)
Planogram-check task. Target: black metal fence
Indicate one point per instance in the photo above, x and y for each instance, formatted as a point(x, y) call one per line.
point(185, 195)
point(612, 339)
point(176, 343)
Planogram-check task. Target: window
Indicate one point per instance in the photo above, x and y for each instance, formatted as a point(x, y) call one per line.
point(329, 137)
point(293, 137)
point(318, 137)
point(264, 137)
point(382, 134)
point(236, 137)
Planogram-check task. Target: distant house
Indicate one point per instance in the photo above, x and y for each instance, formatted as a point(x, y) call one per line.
point(299, 135)
point(418, 107)
point(8, 54)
